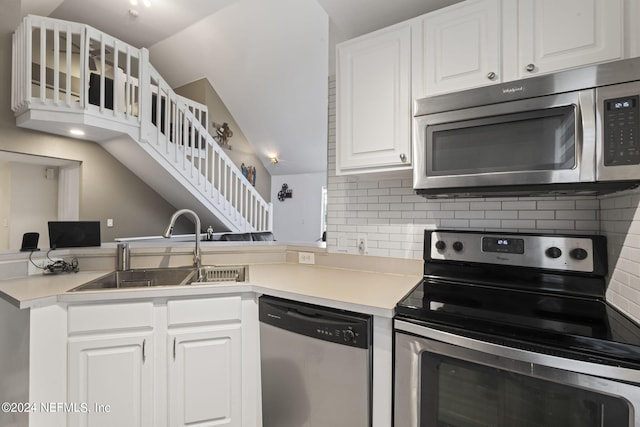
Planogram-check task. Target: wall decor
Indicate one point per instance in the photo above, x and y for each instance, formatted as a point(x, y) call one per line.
point(222, 134)
point(285, 193)
point(249, 172)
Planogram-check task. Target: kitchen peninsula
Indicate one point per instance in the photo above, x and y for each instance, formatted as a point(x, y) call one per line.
point(153, 335)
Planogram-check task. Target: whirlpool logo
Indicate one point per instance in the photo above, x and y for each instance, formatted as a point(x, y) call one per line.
point(510, 90)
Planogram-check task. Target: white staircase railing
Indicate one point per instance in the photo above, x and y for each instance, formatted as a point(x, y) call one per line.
point(62, 66)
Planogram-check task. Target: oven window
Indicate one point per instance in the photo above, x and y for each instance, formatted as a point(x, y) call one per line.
point(529, 141)
point(456, 393)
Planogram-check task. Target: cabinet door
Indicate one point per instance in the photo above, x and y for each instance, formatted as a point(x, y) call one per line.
point(205, 375)
point(113, 376)
point(373, 102)
point(460, 47)
point(561, 34)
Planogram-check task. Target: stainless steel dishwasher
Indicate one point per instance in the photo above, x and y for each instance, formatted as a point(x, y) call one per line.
point(316, 365)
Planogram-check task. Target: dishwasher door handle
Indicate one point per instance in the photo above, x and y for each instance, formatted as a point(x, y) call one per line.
point(296, 314)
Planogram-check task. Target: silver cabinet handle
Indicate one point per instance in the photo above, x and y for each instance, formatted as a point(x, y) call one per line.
point(144, 351)
point(491, 75)
point(530, 67)
point(403, 158)
point(174, 349)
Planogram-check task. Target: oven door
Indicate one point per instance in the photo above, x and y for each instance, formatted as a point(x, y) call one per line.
point(538, 141)
point(447, 380)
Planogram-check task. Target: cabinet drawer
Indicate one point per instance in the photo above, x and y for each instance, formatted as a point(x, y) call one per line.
point(95, 317)
point(205, 310)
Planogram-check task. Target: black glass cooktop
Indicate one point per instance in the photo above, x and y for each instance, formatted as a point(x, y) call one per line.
point(579, 326)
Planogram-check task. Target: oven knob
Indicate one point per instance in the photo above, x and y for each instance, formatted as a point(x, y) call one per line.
point(553, 252)
point(348, 335)
point(441, 245)
point(578, 253)
point(458, 246)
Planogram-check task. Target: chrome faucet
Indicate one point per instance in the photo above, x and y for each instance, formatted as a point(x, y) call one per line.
point(169, 231)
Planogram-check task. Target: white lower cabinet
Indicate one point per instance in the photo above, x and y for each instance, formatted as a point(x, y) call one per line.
point(110, 364)
point(204, 367)
point(205, 377)
point(111, 380)
point(116, 373)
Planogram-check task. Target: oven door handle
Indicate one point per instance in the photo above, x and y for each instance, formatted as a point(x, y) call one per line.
point(540, 360)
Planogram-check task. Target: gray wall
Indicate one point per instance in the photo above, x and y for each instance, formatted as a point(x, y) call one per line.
point(242, 152)
point(108, 189)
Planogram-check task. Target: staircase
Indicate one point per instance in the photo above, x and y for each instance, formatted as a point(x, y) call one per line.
point(71, 76)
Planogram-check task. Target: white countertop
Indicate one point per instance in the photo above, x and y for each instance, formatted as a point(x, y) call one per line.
point(361, 291)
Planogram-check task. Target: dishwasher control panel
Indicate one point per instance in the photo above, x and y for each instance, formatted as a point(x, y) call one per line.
point(327, 324)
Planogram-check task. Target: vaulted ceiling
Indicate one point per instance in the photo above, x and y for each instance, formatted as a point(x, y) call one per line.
point(268, 60)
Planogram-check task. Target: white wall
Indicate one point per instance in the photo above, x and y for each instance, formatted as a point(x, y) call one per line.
point(268, 62)
point(34, 202)
point(298, 219)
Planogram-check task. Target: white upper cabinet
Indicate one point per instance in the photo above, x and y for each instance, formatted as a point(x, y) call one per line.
point(373, 102)
point(559, 34)
point(459, 47)
point(481, 42)
point(469, 44)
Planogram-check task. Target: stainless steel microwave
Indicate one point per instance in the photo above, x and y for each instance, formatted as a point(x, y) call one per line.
point(573, 132)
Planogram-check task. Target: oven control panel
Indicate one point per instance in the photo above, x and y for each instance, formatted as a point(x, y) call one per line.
point(556, 252)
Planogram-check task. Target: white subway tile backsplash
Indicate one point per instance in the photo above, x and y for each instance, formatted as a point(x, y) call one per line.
point(485, 205)
point(537, 214)
point(455, 206)
point(390, 202)
point(393, 218)
point(501, 214)
point(454, 223)
point(519, 223)
point(587, 227)
point(520, 205)
point(378, 192)
point(554, 225)
point(485, 224)
point(619, 223)
point(583, 215)
point(592, 204)
point(557, 204)
point(469, 214)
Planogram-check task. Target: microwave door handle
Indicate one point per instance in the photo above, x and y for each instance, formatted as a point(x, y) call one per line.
point(586, 135)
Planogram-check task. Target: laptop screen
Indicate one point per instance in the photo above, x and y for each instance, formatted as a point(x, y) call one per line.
point(73, 234)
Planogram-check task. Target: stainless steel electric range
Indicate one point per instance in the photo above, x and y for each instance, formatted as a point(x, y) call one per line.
point(511, 329)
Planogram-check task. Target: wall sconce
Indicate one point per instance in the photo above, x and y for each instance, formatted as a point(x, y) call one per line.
point(222, 134)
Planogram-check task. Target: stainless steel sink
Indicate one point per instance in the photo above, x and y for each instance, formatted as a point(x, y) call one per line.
point(140, 278)
point(155, 277)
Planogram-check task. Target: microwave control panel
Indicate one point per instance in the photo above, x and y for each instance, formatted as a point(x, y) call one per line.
point(621, 131)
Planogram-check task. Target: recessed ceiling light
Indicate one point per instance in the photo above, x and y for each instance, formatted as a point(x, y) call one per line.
point(147, 3)
point(133, 2)
point(76, 132)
